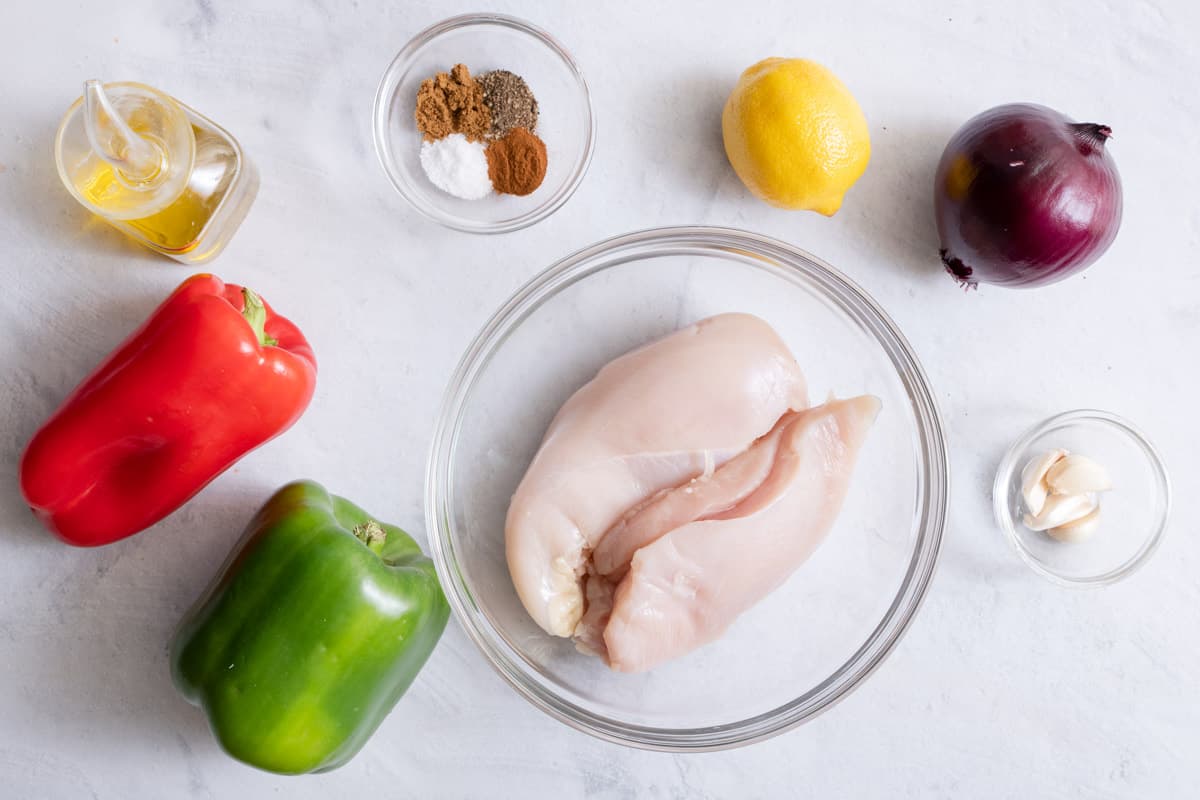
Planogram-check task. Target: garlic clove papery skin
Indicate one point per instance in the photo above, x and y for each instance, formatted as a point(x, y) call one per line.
point(1033, 479)
point(1061, 509)
point(1077, 530)
point(1076, 474)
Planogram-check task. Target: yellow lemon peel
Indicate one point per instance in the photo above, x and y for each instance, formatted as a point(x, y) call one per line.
point(795, 135)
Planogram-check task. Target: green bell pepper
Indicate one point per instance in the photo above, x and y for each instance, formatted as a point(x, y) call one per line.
point(315, 627)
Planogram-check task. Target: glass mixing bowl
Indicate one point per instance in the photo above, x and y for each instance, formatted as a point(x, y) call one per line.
point(485, 42)
point(1133, 516)
point(810, 642)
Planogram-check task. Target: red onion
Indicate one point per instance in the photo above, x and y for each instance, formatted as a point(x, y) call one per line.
point(1025, 197)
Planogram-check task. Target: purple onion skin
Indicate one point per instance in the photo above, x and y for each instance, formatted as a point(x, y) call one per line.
point(1025, 197)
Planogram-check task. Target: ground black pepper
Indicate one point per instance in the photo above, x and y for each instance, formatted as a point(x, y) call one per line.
point(509, 99)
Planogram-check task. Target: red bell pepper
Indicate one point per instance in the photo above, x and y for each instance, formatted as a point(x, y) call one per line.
point(212, 374)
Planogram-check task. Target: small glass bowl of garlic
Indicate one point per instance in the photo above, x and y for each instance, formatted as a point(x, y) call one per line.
point(1084, 497)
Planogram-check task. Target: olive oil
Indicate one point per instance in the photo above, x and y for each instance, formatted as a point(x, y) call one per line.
point(155, 169)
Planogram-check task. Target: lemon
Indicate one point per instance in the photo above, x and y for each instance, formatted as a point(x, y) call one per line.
point(795, 135)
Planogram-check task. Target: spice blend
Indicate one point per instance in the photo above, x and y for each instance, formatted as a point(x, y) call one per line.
point(478, 133)
point(517, 162)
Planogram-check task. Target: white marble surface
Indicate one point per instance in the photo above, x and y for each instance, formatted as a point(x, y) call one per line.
point(1005, 686)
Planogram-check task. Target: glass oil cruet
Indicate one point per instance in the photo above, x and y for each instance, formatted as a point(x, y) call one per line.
point(155, 169)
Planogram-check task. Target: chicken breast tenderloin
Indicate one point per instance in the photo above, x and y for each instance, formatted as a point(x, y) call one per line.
point(689, 579)
point(651, 420)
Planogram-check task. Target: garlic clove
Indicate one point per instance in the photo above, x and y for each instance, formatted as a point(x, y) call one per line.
point(1079, 529)
point(1076, 474)
point(1061, 509)
point(1035, 496)
point(1033, 484)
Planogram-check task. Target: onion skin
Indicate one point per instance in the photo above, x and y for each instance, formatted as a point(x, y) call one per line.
point(1025, 197)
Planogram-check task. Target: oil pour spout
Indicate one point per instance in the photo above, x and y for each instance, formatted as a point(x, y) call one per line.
point(136, 161)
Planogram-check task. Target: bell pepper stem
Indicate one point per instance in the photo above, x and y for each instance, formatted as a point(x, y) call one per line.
point(372, 534)
point(256, 314)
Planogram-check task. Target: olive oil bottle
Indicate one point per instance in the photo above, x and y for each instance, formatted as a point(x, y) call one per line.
point(155, 169)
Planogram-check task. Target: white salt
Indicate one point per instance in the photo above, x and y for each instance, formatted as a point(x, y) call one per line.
point(457, 166)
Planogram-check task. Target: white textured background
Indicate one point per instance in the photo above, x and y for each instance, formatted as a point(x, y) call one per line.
point(1004, 687)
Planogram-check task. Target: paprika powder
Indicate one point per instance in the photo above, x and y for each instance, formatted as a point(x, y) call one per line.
point(517, 162)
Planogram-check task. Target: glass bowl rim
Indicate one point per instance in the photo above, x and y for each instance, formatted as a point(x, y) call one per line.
point(389, 83)
point(932, 504)
point(1007, 469)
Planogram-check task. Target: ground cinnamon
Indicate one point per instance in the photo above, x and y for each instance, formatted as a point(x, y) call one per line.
point(452, 102)
point(517, 162)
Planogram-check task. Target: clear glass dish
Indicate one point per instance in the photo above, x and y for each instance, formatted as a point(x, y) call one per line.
point(484, 42)
point(808, 644)
point(1133, 516)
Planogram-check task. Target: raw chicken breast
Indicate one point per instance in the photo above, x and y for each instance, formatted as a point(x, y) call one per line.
point(650, 420)
point(702, 554)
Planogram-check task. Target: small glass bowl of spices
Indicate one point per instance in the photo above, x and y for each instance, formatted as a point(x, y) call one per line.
point(1084, 498)
point(484, 123)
